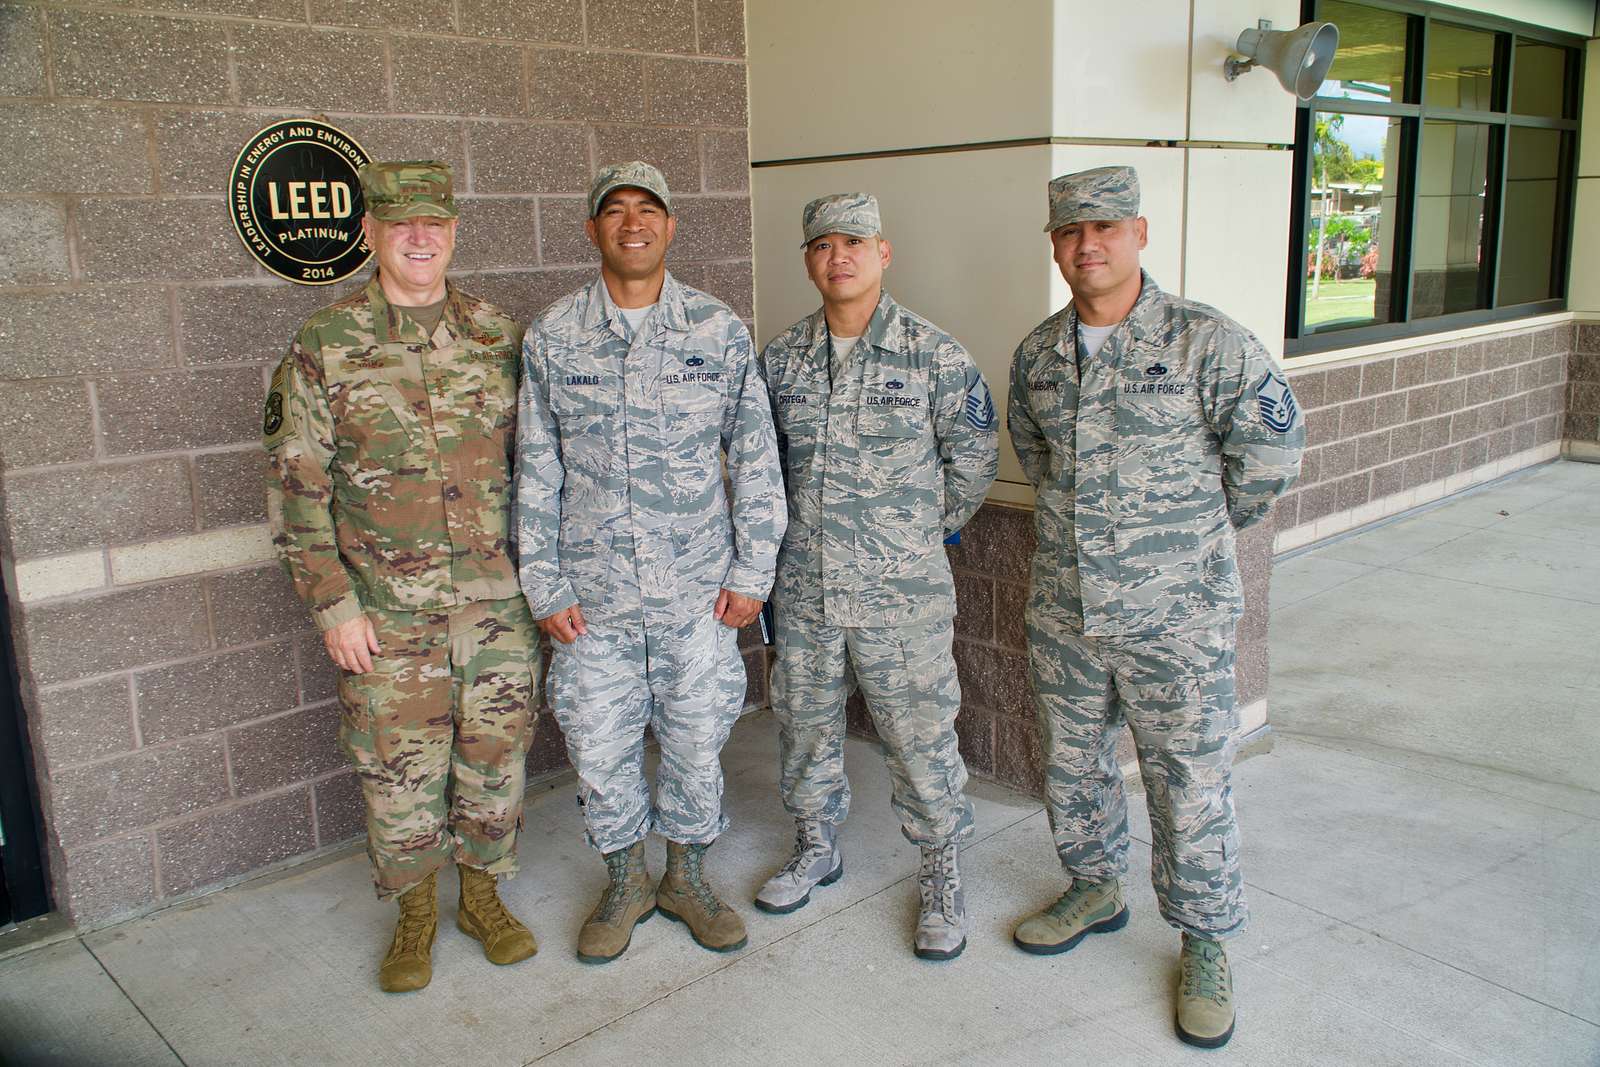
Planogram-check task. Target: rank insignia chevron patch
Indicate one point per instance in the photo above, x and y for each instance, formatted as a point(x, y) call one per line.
point(980, 407)
point(1276, 402)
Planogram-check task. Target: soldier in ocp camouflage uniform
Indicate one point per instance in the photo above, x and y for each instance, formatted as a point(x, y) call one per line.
point(1152, 428)
point(634, 389)
point(889, 443)
point(389, 428)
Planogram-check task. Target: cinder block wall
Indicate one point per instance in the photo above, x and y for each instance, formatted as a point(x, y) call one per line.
point(179, 707)
point(1583, 391)
point(1388, 433)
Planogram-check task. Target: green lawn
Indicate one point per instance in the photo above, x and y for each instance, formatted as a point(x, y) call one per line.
point(1340, 300)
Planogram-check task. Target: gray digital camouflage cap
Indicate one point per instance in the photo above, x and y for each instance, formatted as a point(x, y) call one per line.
point(852, 213)
point(1100, 193)
point(635, 175)
point(408, 188)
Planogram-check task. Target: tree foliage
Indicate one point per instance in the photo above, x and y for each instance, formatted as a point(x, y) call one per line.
point(1333, 160)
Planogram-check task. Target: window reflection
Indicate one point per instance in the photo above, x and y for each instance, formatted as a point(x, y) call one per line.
point(1539, 81)
point(1371, 61)
point(1447, 257)
point(1354, 200)
point(1528, 233)
point(1460, 68)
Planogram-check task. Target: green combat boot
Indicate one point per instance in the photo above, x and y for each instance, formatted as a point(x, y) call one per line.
point(1205, 994)
point(409, 964)
point(481, 915)
point(628, 900)
point(1085, 908)
point(685, 897)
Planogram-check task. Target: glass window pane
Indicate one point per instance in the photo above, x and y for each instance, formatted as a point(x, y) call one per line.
point(1533, 200)
point(1460, 68)
point(1371, 61)
point(1354, 179)
point(1447, 256)
point(1539, 79)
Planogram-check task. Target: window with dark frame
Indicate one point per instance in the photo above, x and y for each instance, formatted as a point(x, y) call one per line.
point(1434, 175)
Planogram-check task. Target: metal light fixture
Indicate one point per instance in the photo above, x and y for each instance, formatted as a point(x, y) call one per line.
point(1300, 58)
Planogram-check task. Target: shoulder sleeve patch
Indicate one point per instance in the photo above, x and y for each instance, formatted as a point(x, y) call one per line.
point(979, 405)
point(1275, 402)
point(275, 428)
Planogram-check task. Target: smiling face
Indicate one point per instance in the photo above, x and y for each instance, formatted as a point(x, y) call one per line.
point(1099, 258)
point(846, 268)
point(633, 231)
point(412, 256)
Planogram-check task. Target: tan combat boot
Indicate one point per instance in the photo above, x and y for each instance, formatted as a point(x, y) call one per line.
point(481, 915)
point(409, 964)
point(684, 896)
point(629, 899)
point(1085, 908)
point(1205, 994)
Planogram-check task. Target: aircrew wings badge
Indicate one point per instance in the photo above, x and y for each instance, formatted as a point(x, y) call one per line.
point(1276, 402)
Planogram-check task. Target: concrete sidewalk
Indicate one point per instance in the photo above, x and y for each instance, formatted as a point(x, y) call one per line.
point(1422, 849)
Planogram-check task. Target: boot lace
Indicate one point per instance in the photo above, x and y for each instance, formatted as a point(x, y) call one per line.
point(484, 900)
point(1070, 901)
point(412, 929)
point(936, 880)
point(808, 843)
point(694, 879)
point(1205, 969)
point(615, 898)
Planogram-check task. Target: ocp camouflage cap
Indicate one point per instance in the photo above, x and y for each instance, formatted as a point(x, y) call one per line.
point(637, 175)
point(1093, 195)
point(852, 213)
point(407, 189)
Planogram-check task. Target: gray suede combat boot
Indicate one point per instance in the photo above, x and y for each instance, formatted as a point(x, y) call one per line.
point(816, 861)
point(943, 923)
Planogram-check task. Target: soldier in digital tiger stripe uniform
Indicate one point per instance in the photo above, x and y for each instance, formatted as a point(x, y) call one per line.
point(889, 441)
point(389, 428)
point(1151, 428)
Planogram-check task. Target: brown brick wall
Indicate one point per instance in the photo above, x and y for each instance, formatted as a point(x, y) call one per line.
point(1385, 425)
point(183, 727)
point(1583, 386)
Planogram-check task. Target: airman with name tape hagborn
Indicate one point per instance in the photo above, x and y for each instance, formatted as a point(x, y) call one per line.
point(634, 390)
point(389, 431)
point(1152, 428)
point(889, 441)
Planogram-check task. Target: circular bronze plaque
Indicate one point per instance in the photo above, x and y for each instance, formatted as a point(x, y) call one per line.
point(296, 201)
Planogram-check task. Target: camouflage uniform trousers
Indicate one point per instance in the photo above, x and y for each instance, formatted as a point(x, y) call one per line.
point(684, 678)
point(1176, 692)
point(908, 676)
point(438, 731)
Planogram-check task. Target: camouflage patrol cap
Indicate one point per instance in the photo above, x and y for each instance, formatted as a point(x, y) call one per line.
point(636, 175)
point(1098, 194)
point(852, 213)
point(406, 189)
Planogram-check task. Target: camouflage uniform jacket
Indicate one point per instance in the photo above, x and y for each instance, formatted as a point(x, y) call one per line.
point(896, 453)
point(1179, 431)
point(389, 484)
point(620, 495)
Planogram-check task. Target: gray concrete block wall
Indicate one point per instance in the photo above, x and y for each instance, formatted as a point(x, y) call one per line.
point(181, 712)
point(1381, 427)
point(1583, 386)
